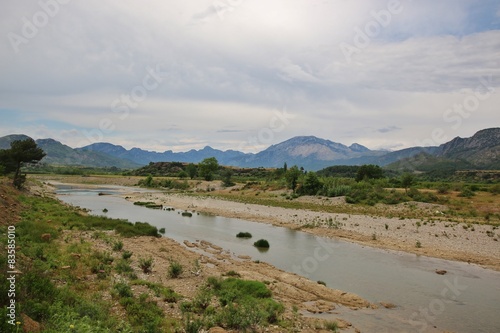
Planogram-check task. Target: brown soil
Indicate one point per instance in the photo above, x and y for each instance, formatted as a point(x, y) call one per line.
point(10, 207)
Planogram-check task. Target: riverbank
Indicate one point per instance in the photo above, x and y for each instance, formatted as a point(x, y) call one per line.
point(475, 244)
point(302, 298)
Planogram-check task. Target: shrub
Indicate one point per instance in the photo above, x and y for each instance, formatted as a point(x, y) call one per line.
point(466, 193)
point(123, 266)
point(175, 269)
point(331, 326)
point(123, 289)
point(262, 243)
point(244, 235)
point(162, 231)
point(146, 264)
point(126, 255)
point(117, 246)
point(233, 274)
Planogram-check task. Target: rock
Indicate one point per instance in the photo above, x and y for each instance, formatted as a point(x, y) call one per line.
point(387, 305)
point(441, 271)
point(29, 325)
point(46, 237)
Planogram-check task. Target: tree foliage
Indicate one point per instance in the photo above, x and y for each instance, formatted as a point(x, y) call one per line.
point(369, 171)
point(312, 184)
point(292, 176)
point(20, 153)
point(191, 170)
point(227, 174)
point(208, 167)
point(407, 181)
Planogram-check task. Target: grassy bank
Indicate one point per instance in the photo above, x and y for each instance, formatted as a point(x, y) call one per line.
point(75, 275)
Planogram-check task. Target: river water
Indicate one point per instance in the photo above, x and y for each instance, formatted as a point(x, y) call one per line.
point(466, 299)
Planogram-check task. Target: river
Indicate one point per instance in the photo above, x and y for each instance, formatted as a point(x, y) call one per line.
point(466, 299)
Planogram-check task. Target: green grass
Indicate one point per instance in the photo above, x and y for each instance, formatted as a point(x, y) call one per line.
point(243, 305)
point(65, 299)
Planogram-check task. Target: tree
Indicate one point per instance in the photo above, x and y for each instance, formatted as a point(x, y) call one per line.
point(226, 177)
point(191, 170)
point(369, 171)
point(312, 184)
point(20, 153)
point(407, 180)
point(207, 167)
point(291, 177)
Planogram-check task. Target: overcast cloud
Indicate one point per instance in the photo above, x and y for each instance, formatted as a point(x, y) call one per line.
point(245, 74)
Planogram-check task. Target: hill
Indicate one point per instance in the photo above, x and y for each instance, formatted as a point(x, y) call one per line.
point(143, 157)
point(481, 151)
point(60, 154)
point(310, 152)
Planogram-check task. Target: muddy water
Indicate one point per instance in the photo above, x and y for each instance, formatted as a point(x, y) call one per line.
point(466, 299)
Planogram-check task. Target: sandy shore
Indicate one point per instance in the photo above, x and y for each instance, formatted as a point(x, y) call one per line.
point(476, 244)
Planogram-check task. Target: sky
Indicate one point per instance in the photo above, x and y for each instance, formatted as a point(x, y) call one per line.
point(246, 74)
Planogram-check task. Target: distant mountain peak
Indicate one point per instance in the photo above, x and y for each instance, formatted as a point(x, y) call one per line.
point(358, 148)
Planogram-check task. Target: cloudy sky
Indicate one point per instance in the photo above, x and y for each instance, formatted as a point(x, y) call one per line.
point(245, 74)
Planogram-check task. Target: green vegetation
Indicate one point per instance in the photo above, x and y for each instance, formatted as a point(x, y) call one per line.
point(243, 305)
point(244, 235)
point(175, 269)
point(52, 289)
point(332, 326)
point(146, 264)
point(208, 167)
point(148, 204)
point(21, 152)
point(261, 243)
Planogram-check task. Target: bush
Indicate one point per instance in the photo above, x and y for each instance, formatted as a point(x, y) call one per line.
point(126, 255)
point(331, 326)
point(117, 246)
point(466, 193)
point(146, 264)
point(262, 243)
point(123, 266)
point(175, 269)
point(123, 289)
point(244, 235)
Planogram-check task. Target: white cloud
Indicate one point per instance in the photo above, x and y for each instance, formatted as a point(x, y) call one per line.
point(230, 70)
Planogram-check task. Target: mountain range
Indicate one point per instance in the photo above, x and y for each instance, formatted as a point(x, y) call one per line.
point(480, 151)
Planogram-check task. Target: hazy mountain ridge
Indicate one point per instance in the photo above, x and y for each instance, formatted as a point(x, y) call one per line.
point(480, 151)
point(60, 154)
